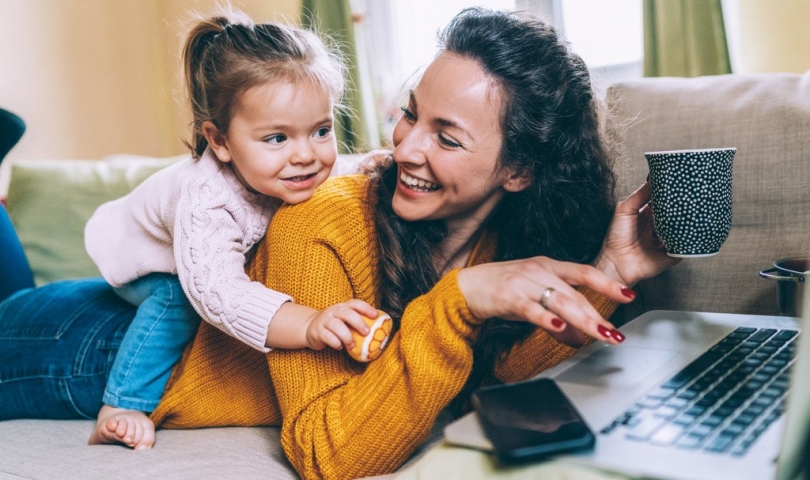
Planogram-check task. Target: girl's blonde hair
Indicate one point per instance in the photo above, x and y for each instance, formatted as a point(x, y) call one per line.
point(227, 54)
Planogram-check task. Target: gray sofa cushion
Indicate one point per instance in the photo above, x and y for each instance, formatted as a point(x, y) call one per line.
point(48, 449)
point(767, 118)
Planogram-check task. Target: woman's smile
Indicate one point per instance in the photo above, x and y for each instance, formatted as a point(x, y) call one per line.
point(418, 184)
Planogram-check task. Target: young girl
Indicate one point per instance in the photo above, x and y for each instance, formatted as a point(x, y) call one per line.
point(262, 98)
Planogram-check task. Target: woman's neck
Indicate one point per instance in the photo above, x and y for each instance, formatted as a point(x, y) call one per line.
point(455, 250)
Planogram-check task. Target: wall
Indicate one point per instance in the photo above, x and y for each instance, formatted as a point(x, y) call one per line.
point(770, 36)
point(99, 77)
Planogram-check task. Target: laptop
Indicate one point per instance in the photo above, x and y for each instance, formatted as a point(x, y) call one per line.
point(689, 395)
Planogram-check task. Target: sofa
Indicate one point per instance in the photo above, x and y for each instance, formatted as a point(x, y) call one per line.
point(765, 116)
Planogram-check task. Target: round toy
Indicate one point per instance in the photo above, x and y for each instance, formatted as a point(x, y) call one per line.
point(368, 347)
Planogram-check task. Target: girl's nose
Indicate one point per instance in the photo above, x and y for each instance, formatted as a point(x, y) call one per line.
point(303, 154)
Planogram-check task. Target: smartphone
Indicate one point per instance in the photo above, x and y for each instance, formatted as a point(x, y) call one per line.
point(531, 420)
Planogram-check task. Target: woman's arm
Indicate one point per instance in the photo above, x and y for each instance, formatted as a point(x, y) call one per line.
point(336, 411)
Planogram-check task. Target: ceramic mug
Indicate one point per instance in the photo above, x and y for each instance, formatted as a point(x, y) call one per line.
point(691, 199)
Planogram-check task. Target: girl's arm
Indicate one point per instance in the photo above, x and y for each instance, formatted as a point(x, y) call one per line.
point(210, 248)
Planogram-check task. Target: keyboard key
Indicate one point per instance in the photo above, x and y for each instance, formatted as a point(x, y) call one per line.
point(690, 441)
point(761, 335)
point(666, 435)
point(719, 444)
point(693, 370)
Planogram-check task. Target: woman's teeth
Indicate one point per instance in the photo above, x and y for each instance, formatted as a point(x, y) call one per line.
point(418, 183)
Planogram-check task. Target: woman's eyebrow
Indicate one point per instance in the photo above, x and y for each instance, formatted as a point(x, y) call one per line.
point(443, 121)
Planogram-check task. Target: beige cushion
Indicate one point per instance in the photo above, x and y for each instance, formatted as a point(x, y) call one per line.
point(767, 118)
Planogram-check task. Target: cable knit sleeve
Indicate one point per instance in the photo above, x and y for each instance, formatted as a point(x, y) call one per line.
point(336, 411)
point(213, 232)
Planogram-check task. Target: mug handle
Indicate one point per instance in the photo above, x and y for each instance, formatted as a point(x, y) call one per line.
point(767, 274)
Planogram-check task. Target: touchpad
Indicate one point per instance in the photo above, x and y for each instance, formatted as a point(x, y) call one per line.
point(616, 366)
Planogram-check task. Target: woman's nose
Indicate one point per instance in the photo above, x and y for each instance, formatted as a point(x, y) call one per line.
point(411, 146)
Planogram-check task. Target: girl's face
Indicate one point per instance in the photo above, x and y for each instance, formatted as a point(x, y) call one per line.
point(280, 141)
point(446, 146)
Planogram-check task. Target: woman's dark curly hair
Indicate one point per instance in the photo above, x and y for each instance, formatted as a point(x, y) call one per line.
point(551, 134)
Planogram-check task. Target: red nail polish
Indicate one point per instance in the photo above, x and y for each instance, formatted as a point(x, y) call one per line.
point(628, 293)
point(557, 323)
point(619, 336)
point(604, 331)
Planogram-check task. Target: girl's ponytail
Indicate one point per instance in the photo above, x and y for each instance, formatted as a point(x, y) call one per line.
point(195, 51)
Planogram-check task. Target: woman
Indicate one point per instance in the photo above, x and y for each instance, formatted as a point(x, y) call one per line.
point(497, 157)
point(498, 196)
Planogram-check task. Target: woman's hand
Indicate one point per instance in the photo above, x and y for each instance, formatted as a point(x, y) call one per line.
point(541, 291)
point(631, 251)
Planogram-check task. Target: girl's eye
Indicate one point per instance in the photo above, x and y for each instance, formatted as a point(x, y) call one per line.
point(323, 132)
point(447, 142)
point(409, 116)
point(276, 139)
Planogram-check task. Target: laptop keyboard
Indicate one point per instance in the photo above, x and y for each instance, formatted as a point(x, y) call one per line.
point(721, 402)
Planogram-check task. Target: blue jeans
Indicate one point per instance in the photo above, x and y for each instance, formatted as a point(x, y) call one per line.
point(15, 273)
point(154, 342)
point(57, 345)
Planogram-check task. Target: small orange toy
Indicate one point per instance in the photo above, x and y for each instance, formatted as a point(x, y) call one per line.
point(368, 347)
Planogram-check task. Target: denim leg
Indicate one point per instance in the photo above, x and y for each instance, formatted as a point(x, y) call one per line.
point(165, 323)
point(57, 345)
point(15, 274)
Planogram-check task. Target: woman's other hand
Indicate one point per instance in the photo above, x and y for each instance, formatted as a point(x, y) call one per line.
point(541, 291)
point(631, 251)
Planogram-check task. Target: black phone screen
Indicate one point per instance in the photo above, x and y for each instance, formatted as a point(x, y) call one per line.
point(531, 420)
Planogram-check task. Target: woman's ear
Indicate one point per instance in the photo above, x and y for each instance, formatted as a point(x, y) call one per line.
point(217, 141)
point(517, 182)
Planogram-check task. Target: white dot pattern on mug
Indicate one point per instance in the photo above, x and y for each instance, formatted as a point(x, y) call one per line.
point(692, 199)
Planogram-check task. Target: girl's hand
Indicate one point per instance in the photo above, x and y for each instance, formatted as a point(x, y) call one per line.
point(631, 251)
point(541, 291)
point(330, 326)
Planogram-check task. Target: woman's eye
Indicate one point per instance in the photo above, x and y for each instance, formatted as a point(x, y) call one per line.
point(447, 142)
point(409, 116)
point(276, 139)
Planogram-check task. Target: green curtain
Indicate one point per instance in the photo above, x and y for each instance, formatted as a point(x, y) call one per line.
point(334, 18)
point(684, 38)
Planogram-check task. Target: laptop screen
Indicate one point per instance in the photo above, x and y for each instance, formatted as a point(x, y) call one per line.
point(793, 459)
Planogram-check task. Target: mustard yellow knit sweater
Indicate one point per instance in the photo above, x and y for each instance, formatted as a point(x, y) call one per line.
point(341, 419)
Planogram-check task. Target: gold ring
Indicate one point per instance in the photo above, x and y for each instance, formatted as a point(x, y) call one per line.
point(545, 296)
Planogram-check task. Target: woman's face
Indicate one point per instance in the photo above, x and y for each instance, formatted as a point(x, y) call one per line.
point(446, 146)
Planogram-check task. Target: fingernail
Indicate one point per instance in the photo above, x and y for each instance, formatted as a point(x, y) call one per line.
point(628, 293)
point(619, 336)
point(557, 323)
point(604, 331)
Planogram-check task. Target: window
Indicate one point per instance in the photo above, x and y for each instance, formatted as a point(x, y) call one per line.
point(400, 38)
